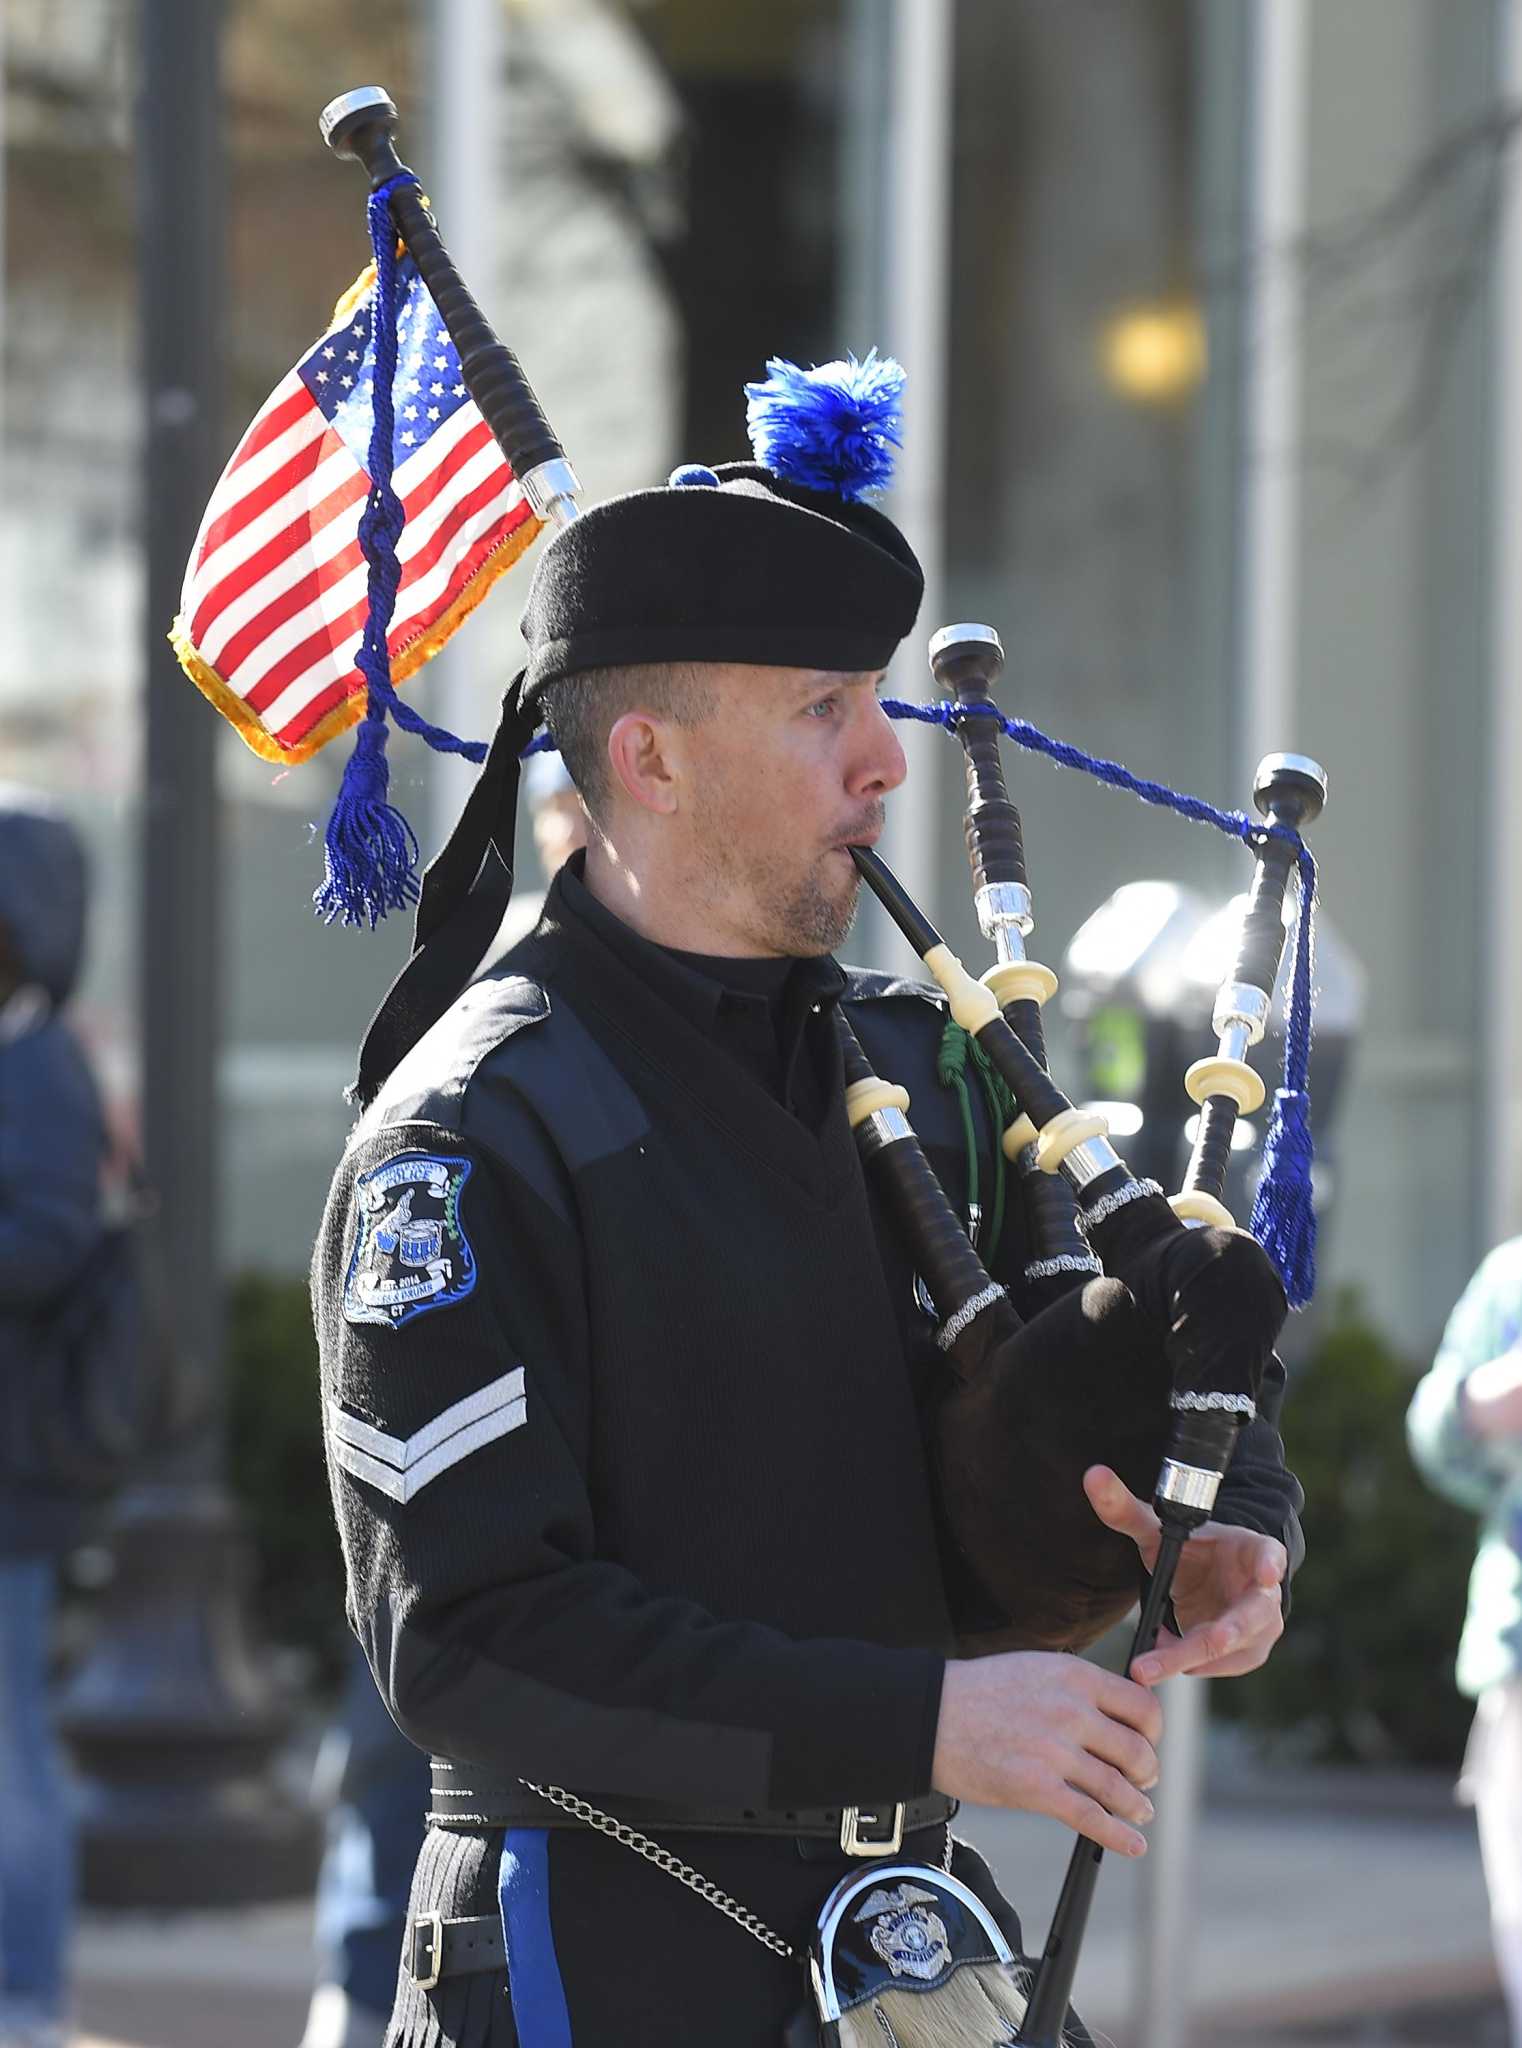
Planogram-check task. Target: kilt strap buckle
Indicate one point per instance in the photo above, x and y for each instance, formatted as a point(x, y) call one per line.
point(438, 1948)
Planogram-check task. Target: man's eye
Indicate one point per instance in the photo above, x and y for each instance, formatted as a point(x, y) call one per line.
point(823, 708)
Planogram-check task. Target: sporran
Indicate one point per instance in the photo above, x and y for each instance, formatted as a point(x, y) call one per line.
point(905, 1956)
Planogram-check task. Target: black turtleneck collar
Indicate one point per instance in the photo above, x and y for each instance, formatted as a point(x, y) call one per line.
point(757, 1008)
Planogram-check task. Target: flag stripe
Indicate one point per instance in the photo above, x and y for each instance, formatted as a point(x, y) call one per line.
point(344, 680)
point(343, 583)
point(335, 673)
point(275, 691)
point(266, 491)
point(304, 423)
point(337, 467)
point(250, 584)
point(280, 596)
point(235, 570)
point(285, 405)
point(284, 399)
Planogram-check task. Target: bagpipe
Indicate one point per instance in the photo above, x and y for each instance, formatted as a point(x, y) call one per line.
point(1148, 1324)
point(1028, 1408)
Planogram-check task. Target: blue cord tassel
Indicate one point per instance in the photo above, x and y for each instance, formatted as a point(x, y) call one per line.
point(1283, 1213)
point(1283, 1218)
point(372, 851)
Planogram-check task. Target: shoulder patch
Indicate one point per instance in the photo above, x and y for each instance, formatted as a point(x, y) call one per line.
point(410, 1252)
point(429, 1084)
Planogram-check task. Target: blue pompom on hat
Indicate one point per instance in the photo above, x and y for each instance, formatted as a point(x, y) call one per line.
point(776, 562)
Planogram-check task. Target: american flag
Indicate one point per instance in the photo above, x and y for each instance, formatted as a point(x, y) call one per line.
point(274, 602)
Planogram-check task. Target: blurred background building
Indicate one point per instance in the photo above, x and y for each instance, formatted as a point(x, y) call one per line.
point(1212, 427)
point(1212, 311)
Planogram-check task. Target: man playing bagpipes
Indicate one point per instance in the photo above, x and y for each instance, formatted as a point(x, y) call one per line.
point(627, 1376)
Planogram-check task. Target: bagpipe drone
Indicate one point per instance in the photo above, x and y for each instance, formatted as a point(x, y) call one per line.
point(1149, 1325)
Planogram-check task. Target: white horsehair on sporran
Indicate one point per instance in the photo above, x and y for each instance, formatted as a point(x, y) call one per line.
point(980, 2006)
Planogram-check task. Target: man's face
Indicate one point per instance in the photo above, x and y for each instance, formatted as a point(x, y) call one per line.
point(793, 765)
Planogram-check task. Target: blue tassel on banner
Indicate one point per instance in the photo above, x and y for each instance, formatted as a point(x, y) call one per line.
point(372, 851)
point(1283, 1211)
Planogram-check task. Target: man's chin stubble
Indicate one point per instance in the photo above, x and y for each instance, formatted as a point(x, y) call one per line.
point(817, 923)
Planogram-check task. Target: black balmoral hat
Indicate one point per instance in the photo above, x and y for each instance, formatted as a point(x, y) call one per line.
point(778, 562)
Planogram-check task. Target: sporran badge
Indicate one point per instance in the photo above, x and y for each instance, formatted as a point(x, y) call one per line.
point(411, 1253)
point(910, 1939)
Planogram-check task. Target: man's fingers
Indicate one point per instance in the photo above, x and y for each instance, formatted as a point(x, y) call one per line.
point(1239, 1641)
point(1125, 1750)
point(1117, 1506)
point(1122, 1702)
point(1272, 1564)
point(1112, 1789)
point(1086, 1817)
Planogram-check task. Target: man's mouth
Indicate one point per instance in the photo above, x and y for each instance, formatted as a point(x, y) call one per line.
point(863, 835)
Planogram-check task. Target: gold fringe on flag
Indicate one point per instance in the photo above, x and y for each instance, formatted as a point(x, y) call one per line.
point(405, 662)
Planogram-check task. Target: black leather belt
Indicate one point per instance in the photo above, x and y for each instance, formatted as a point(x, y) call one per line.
point(438, 1948)
point(467, 1797)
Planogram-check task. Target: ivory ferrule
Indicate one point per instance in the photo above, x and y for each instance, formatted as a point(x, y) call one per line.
point(1232, 1078)
point(1020, 981)
point(1020, 1138)
point(972, 1004)
point(864, 1097)
point(1195, 1206)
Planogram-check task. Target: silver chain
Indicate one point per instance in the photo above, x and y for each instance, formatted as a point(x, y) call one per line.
point(706, 1889)
point(620, 1831)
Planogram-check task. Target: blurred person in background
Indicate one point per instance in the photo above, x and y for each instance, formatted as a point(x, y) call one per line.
point(52, 1152)
point(373, 1780)
point(1465, 1429)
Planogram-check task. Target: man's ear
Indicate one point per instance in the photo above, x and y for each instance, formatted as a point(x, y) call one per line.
point(639, 759)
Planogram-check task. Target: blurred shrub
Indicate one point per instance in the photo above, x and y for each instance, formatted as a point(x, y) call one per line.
point(275, 1468)
point(1365, 1669)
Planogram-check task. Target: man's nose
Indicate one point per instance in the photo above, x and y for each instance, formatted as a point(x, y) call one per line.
point(880, 764)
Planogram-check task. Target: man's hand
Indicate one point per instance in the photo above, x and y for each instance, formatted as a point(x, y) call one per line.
point(1053, 1735)
point(1226, 1591)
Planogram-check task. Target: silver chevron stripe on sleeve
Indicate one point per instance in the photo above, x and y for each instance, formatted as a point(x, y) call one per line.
point(402, 1466)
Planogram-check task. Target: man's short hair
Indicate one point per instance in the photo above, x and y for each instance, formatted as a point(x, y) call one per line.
point(582, 709)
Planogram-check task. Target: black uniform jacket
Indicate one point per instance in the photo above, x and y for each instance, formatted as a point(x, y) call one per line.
point(622, 1376)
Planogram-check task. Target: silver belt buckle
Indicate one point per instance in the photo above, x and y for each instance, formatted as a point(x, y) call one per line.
point(434, 1925)
point(855, 1843)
